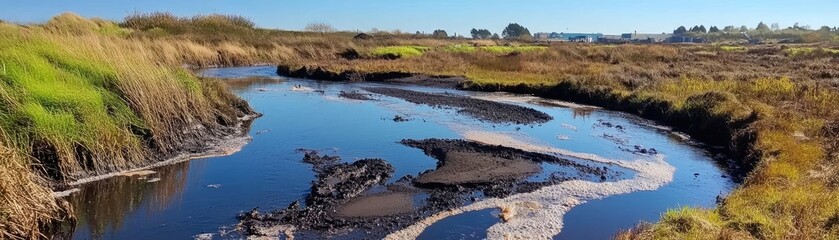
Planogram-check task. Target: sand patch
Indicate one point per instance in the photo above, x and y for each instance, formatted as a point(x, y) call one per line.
point(377, 205)
point(462, 167)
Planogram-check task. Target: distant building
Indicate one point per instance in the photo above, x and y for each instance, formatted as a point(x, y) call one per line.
point(623, 38)
point(646, 37)
point(610, 39)
point(568, 37)
point(685, 39)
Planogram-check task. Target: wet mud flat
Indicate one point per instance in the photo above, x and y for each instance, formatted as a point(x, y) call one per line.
point(354, 95)
point(485, 110)
point(354, 200)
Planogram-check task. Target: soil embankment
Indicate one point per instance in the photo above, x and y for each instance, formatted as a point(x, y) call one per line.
point(318, 73)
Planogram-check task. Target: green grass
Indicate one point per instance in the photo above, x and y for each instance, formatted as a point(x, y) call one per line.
point(399, 51)
point(460, 48)
point(732, 48)
point(57, 96)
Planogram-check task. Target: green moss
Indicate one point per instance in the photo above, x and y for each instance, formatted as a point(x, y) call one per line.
point(460, 48)
point(732, 48)
point(399, 51)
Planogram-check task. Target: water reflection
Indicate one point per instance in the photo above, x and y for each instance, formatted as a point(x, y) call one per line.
point(103, 205)
point(242, 84)
point(582, 112)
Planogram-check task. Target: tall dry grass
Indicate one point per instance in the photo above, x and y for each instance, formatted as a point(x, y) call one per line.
point(27, 204)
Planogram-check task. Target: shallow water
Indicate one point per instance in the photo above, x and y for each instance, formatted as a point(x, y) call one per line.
point(203, 196)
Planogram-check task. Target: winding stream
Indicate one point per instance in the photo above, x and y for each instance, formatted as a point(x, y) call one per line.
point(204, 196)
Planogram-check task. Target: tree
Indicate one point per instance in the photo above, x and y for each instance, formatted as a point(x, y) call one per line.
point(319, 27)
point(824, 29)
point(495, 36)
point(776, 27)
point(696, 29)
point(484, 33)
point(761, 27)
point(440, 33)
point(680, 30)
point(480, 33)
point(702, 29)
point(714, 29)
point(744, 28)
point(729, 28)
point(516, 31)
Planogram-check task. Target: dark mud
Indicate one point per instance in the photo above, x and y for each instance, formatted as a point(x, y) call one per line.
point(351, 200)
point(334, 186)
point(429, 81)
point(355, 95)
point(319, 162)
point(484, 110)
point(465, 162)
point(318, 73)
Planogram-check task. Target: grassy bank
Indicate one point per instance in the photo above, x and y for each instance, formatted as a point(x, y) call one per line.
point(78, 98)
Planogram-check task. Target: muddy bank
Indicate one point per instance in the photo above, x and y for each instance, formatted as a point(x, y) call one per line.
point(484, 110)
point(701, 123)
point(471, 163)
point(351, 200)
point(318, 73)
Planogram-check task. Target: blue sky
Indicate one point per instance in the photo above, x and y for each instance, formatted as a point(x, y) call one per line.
point(458, 16)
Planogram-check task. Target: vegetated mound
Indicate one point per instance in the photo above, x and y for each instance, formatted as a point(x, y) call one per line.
point(76, 104)
point(81, 110)
point(478, 108)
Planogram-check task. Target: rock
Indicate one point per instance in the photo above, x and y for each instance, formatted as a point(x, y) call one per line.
point(398, 118)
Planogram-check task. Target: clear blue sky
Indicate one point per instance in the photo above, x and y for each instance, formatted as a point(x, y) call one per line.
point(458, 16)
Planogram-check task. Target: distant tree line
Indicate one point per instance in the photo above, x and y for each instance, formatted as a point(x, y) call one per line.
point(799, 33)
point(513, 31)
point(480, 33)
